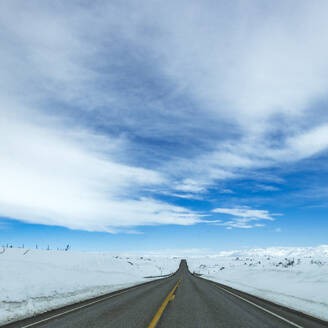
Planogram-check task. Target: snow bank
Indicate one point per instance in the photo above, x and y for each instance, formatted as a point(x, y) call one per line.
point(34, 281)
point(294, 277)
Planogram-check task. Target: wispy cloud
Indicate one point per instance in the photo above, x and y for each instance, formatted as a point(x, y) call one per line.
point(67, 178)
point(266, 187)
point(246, 212)
point(242, 217)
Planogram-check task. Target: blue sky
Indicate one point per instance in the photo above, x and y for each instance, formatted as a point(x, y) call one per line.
point(163, 125)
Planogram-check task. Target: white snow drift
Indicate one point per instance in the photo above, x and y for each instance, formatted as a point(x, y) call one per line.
point(34, 281)
point(294, 277)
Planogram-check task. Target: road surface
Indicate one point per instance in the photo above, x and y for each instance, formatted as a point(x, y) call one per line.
point(197, 303)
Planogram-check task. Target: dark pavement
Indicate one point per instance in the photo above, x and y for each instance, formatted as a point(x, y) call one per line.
point(198, 304)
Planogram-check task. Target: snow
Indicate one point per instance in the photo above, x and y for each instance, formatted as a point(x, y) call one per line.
point(35, 281)
point(290, 276)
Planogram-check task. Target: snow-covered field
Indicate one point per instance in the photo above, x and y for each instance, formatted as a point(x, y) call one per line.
point(33, 281)
point(294, 277)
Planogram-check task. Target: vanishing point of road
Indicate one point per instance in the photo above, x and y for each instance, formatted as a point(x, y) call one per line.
point(181, 300)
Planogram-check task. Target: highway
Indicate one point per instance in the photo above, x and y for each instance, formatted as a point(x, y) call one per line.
point(181, 300)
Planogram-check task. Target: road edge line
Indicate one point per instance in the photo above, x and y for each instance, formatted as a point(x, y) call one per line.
point(258, 306)
point(113, 294)
point(78, 308)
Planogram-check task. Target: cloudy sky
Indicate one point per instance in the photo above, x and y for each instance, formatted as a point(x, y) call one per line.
point(134, 125)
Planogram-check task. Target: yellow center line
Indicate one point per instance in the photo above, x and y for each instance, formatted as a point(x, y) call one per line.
point(161, 309)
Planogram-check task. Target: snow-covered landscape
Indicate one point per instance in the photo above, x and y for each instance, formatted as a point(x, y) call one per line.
point(291, 276)
point(34, 281)
point(143, 139)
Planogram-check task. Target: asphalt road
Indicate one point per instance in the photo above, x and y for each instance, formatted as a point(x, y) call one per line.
point(198, 303)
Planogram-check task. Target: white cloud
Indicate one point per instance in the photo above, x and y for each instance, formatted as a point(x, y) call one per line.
point(184, 196)
point(251, 77)
point(263, 81)
point(235, 224)
point(243, 215)
point(251, 72)
point(236, 158)
point(226, 191)
point(189, 185)
point(267, 187)
point(56, 176)
point(309, 143)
